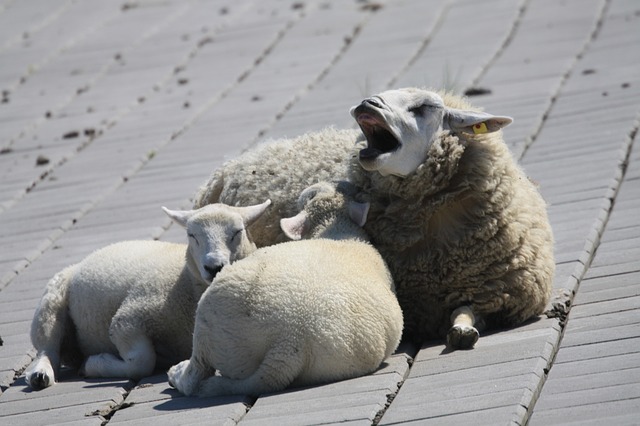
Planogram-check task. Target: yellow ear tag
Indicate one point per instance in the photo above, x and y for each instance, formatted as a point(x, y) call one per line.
point(480, 128)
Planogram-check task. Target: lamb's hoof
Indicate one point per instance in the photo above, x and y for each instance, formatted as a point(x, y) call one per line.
point(462, 337)
point(39, 380)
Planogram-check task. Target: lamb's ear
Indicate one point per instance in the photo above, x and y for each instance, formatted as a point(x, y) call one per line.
point(358, 212)
point(179, 216)
point(295, 227)
point(473, 121)
point(252, 213)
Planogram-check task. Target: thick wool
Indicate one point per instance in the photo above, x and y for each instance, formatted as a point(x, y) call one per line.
point(279, 170)
point(466, 228)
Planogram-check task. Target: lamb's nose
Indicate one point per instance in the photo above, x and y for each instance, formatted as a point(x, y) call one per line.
point(213, 270)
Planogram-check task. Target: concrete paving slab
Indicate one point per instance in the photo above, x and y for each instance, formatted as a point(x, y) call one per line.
point(167, 91)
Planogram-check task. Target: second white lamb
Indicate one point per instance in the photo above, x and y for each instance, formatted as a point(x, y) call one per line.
point(297, 313)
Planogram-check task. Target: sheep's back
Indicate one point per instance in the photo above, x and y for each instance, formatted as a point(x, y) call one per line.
point(279, 170)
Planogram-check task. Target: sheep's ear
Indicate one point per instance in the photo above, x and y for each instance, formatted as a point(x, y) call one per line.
point(252, 213)
point(295, 227)
point(473, 121)
point(358, 212)
point(179, 216)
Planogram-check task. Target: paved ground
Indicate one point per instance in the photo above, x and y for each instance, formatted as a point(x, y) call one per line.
point(111, 109)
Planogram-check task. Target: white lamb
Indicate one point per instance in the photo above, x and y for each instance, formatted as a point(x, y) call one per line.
point(296, 313)
point(129, 307)
point(464, 232)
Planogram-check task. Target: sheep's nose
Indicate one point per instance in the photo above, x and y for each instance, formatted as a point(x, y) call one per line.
point(213, 270)
point(372, 101)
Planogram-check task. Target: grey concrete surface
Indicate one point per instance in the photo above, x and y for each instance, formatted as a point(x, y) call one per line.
point(110, 109)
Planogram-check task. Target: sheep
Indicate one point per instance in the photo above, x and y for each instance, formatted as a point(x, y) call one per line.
point(464, 232)
point(297, 313)
point(279, 170)
point(129, 307)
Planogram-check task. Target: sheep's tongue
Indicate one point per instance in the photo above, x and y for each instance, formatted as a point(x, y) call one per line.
point(365, 119)
point(369, 153)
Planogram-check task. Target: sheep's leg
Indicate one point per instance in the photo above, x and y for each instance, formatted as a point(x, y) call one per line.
point(462, 334)
point(137, 357)
point(278, 370)
point(48, 328)
point(41, 373)
point(186, 376)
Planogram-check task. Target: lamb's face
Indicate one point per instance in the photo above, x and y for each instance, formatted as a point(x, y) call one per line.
point(215, 239)
point(400, 126)
point(217, 235)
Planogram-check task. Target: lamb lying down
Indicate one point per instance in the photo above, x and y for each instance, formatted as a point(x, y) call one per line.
point(296, 313)
point(130, 306)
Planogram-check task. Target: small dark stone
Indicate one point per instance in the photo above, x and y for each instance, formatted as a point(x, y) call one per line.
point(205, 40)
point(183, 81)
point(477, 91)
point(6, 150)
point(371, 7)
point(70, 135)
point(588, 71)
point(625, 85)
point(42, 160)
point(128, 5)
point(89, 132)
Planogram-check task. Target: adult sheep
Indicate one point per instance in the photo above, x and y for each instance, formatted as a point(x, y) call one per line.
point(296, 313)
point(129, 307)
point(464, 232)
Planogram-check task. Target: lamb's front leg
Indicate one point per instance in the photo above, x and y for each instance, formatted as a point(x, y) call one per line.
point(463, 334)
point(41, 373)
point(186, 376)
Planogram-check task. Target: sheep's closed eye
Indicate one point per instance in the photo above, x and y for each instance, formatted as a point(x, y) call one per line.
point(237, 234)
point(193, 237)
point(419, 109)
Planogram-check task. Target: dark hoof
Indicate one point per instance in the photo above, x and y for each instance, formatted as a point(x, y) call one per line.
point(462, 337)
point(39, 381)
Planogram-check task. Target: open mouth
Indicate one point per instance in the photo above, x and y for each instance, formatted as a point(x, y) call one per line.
point(380, 140)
